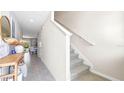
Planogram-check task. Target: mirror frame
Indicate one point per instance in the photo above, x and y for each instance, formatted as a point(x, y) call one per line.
point(8, 27)
point(0, 28)
point(8, 40)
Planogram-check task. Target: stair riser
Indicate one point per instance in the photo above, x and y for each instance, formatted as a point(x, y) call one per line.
point(72, 57)
point(76, 60)
point(77, 67)
point(78, 72)
point(72, 51)
point(73, 65)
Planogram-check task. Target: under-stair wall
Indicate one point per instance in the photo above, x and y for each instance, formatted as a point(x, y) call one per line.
point(54, 49)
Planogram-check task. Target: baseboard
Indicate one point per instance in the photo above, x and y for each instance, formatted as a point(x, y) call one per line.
point(103, 75)
point(86, 61)
point(47, 67)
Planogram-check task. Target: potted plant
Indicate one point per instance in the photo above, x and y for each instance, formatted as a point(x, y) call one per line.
point(26, 53)
point(26, 47)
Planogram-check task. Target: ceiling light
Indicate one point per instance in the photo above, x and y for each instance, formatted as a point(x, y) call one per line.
point(31, 20)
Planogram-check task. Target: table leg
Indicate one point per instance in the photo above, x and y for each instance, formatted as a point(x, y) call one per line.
point(16, 72)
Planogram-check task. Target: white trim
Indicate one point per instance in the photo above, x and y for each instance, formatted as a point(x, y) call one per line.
point(70, 32)
point(68, 72)
point(52, 15)
point(84, 38)
point(41, 58)
point(103, 75)
point(64, 30)
point(67, 35)
point(86, 61)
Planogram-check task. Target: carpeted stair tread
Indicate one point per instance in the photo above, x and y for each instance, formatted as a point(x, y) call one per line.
point(76, 61)
point(73, 55)
point(79, 69)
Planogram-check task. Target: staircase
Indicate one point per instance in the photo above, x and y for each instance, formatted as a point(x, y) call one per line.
point(77, 66)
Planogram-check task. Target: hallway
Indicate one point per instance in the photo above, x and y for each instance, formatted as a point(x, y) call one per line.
point(37, 71)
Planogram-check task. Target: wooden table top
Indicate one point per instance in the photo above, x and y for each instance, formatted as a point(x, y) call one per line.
point(11, 59)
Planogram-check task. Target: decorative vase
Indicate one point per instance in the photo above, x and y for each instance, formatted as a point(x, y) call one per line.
point(27, 57)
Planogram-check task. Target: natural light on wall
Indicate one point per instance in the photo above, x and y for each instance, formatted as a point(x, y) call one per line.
point(113, 35)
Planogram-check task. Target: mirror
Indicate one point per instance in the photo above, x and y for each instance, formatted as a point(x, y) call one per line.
point(5, 27)
point(5, 31)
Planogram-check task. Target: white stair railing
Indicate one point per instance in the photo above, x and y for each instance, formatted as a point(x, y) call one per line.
point(68, 34)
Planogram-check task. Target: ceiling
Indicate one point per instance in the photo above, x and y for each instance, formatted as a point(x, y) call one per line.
point(31, 22)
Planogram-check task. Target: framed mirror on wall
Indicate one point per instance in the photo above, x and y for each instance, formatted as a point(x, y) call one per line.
point(5, 27)
point(5, 31)
point(0, 28)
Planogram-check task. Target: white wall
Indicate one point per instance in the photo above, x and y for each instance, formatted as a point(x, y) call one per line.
point(18, 31)
point(107, 25)
point(105, 29)
point(5, 13)
point(53, 50)
point(39, 51)
point(0, 25)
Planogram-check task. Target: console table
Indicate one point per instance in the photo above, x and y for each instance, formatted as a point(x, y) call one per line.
point(11, 60)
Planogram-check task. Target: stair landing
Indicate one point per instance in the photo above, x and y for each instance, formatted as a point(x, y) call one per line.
point(89, 76)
